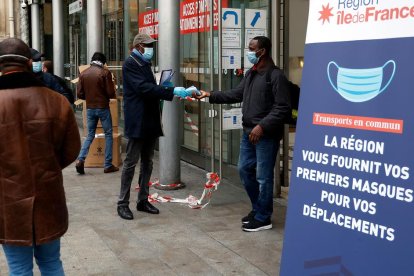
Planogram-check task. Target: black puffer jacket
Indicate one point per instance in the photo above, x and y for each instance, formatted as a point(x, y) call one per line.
point(269, 109)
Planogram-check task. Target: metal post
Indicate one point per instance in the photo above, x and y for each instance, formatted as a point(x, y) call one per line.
point(276, 57)
point(212, 112)
point(94, 14)
point(172, 114)
point(35, 24)
point(275, 31)
point(126, 28)
point(220, 78)
point(11, 18)
point(58, 42)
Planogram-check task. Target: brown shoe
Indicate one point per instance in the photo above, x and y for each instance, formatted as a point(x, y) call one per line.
point(111, 169)
point(80, 166)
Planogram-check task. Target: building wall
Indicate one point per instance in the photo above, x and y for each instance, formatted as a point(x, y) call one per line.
point(4, 19)
point(4, 24)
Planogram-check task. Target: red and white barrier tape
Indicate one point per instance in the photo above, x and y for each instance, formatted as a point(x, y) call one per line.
point(213, 180)
point(194, 128)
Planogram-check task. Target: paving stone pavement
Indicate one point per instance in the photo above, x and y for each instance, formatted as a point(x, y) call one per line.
point(178, 241)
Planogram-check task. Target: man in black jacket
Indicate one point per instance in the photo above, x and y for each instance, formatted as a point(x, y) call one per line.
point(47, 67)
point(46, 78)
point(266, 107)
point(142, 116)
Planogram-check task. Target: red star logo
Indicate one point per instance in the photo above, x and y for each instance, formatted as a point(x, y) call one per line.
point(326, 13)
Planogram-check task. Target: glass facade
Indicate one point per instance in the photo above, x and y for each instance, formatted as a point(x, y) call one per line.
point(198, 46)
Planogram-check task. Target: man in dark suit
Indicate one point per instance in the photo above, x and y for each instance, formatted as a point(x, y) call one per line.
point(142, 116)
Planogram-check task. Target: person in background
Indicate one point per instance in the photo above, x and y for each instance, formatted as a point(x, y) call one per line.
point(39, 139)
point(47, 67)
point(266, 107)
point(48, 79)
point(96, 87)
point(142, 116)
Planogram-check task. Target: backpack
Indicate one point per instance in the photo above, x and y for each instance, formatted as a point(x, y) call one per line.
point(294, 91)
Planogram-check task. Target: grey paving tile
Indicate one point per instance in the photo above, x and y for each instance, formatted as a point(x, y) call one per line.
point(178, 241)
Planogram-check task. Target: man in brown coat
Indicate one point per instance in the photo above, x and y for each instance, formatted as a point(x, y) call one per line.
point(38, 138)
point(97, 88)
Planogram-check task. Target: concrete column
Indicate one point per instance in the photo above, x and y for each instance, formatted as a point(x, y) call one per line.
point(11, 18)
point(24, 24)
point(94, 14)
point(172, 114)
point(35, 24)
point(58, 43)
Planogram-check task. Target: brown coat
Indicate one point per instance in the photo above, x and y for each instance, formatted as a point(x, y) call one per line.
point(38, 138)
point(96, 87)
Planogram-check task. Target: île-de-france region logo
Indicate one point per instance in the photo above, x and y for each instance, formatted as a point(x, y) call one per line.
point(326, 13)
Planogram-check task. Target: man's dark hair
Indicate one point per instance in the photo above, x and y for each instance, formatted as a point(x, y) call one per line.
point(49, 66)
point(264, 42)
point(14, 52)
point(97, 56)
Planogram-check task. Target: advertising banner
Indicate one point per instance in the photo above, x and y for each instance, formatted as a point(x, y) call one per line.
point(350, 209)
point(194, 17)
point(148, 23)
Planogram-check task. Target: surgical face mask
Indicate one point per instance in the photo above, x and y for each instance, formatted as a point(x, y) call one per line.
point(360, 85)
point(251, 56)
point(148, 53)
point(37, 66)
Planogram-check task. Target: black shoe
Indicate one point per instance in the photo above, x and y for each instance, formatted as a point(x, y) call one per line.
point(145, 206)
point(111, 169)
point(249, 217)
point(80, 166)
point(125, 213)
point(255, 225)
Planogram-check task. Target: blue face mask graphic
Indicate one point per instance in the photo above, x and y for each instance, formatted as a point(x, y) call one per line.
point(37, 66)
point(360, 85)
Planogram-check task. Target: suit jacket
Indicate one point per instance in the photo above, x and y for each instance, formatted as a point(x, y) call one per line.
point(142, 97)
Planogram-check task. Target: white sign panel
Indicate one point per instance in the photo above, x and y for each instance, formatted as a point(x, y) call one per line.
point(251, 33)
point(231, 58)
point(333, 21)
point(231, 38)
point(255, 19)
point(75, 6)
point(232, 119)
point(231, 18)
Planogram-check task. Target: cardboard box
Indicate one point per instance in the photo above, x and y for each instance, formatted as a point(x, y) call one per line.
point(96, 154)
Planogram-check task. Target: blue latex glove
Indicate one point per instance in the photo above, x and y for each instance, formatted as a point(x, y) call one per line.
point(192, 89)
point(180, 92)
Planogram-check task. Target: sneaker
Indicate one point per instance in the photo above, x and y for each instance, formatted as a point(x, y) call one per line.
point(111, 169)
point(80, 166)
point(249, 217)
point(255, 225)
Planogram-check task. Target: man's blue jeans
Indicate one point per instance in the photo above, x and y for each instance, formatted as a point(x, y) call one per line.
point(20, 259)
point(256, 165)
point(93, 115)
